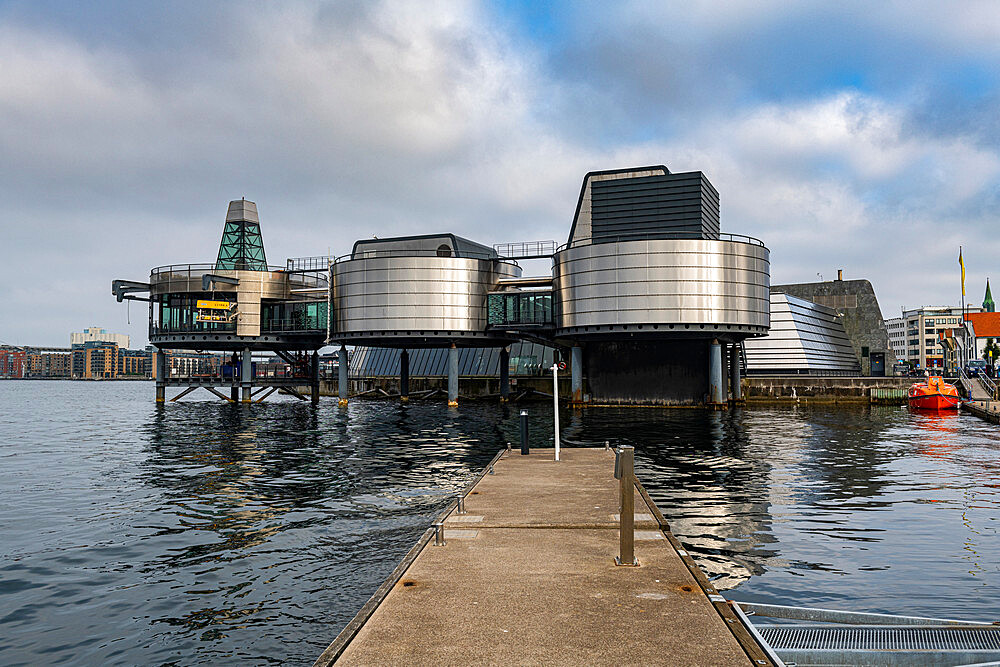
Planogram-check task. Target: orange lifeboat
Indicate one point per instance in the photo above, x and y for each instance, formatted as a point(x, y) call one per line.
point(934, 394)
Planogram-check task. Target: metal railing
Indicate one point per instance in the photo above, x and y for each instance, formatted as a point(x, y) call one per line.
point(668, 236)
point(522, 249)
point(417, 252)
point(299, 264)
point(295, 324)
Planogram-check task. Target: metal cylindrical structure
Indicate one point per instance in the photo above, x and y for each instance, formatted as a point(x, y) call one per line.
point(404, 376)
point(576, 373)
point(452, 375)
point(662, 286)
point(524, 432)
point(416, 296)
point(504, 374)
point(715, 373)
point(342, 382)
point(734, 373)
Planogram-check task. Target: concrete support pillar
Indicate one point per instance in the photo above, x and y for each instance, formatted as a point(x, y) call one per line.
point(342, 368)
point(246, 374)
point(404, 376)
point(315, 378)
point(576, 374)
point(724, 359)
point(234, 393)
point(715, 374)
point(734, 372)
point(161, 376)
point(504, 374)
point(452, 376)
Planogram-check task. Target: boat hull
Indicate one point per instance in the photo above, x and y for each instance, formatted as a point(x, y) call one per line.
point(935, 402)
point(935, 394)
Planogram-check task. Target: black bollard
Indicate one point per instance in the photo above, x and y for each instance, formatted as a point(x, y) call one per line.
point(524, 432)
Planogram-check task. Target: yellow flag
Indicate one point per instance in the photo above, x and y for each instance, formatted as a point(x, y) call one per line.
point(961, 264)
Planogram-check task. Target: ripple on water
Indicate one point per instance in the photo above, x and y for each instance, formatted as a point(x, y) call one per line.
point(207, 533)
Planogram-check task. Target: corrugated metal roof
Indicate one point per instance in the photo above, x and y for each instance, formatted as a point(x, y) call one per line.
point(525, 359)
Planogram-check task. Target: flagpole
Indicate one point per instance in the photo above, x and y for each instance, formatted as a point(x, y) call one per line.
point(965, 332)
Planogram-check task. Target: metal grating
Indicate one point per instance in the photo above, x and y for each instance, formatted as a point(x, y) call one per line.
point(879, 638)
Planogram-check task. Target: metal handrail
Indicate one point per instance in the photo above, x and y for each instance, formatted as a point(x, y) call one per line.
point(389, 254)
point(188, 268)
point(986, 382)
point(525, 249)
point(674, 236)
point(317, 263)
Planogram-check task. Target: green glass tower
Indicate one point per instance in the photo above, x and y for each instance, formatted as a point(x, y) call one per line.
point(242, 247)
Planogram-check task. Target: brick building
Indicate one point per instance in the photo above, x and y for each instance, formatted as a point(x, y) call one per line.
point(13, 362)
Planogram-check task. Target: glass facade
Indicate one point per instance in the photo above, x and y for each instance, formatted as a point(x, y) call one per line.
point(179, 313)
point(294, 316)
point(506, 309)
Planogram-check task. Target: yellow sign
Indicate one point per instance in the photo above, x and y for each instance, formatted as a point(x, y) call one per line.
point(215, 305)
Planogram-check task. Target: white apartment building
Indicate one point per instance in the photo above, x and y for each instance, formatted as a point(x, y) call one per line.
point(100, 335)
point(914, 336)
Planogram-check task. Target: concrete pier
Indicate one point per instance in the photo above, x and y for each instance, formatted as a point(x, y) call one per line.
point(527, 575)
point(734, 373)
point(715, 395)
point(452, 376)
point(504, 374)
point(404, 376)
point(576, 374)
point(342, 368)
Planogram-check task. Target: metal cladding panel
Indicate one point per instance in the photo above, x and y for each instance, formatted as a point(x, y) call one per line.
point(804, 337)
point(659, 206)
point(428, 294)
point(662, 281)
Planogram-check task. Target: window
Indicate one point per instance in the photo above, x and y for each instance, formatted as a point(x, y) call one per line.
point(443, 251)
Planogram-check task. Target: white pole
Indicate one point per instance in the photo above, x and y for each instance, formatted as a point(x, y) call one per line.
point(555, 403)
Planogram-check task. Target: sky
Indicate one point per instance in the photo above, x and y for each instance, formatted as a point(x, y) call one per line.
point(846, 135)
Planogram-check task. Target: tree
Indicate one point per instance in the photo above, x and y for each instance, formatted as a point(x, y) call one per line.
point(991, 351)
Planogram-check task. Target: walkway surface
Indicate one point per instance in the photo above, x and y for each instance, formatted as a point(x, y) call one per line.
point(975, 385)
point(527, 576)
point(988, 410)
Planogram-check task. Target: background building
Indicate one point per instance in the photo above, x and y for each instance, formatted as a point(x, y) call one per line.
point(49, 365)
point(914, 335)
point(858, 311)
point(13, 362)
point(805, 338)
point(96, 334)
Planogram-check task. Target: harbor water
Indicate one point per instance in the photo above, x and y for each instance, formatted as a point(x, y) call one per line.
point(208, 533)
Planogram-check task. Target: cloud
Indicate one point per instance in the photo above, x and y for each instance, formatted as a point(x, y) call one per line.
point(839, 134)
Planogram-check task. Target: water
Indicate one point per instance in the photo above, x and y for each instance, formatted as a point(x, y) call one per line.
point(207, 533)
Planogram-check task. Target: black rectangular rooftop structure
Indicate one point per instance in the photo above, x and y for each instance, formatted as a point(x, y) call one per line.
point(645, 203)
point(662, 206)
point(443, 245)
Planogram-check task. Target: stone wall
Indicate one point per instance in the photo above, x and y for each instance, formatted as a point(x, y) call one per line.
point(804, 388)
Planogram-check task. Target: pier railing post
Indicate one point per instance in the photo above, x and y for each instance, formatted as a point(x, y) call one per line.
point(524, 432)
point(555, 404)
point(626, 529)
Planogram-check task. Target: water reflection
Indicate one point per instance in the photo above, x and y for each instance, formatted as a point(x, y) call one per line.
point(213, 533)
